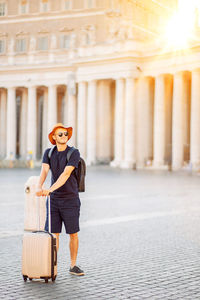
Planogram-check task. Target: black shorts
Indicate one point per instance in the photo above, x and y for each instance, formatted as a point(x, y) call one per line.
point(64, 211)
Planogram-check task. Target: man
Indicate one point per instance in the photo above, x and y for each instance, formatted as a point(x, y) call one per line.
point(64, 200)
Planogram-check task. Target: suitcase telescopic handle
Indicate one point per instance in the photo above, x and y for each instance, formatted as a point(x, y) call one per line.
point(49, 214)
point(38, 213)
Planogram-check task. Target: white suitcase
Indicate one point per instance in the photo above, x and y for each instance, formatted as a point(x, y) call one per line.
point(31, 207)
point(39, 254)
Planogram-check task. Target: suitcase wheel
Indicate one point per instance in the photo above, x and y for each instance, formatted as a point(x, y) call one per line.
point(53, 278)
point(30, 279)
point(46, 280)
point(25, 278)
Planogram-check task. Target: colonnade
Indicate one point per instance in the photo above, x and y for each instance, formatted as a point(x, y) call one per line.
point(127, 122)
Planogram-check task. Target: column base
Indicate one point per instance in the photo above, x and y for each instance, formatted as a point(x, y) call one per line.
point(127, 164)
point(91, 162)
point(195, 166)
point(103, 161)
point(140, 165)
point(186, 166)
point(16, 163)
point(115, 163)
point(159, 166)
point(176, 168)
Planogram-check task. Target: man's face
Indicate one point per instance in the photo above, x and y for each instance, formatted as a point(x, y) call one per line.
point(61, 136)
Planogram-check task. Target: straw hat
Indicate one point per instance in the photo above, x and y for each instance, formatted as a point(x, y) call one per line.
point(59, 125)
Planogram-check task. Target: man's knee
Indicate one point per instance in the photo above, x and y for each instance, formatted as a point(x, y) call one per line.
point(73, 236)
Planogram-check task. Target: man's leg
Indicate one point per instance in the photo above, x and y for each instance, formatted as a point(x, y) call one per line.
point(56, 221)
point(70, 217)
point(73, 246)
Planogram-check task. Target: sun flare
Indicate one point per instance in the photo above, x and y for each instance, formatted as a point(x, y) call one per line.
point(179, 30)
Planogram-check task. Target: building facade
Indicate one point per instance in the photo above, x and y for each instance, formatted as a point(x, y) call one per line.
point(102, 67)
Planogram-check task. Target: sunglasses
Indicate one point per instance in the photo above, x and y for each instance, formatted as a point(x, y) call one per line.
point(60, 134)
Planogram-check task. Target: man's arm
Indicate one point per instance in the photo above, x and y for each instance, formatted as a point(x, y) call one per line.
point(43, 176)
point(60, 181)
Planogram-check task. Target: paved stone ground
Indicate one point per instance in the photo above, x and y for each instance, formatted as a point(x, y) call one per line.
point(139, 239)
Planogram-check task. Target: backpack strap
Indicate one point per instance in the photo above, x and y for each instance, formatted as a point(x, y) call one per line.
point(51, 151)
point(69, 153)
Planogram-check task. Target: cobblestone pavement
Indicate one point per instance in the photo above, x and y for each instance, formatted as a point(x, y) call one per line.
point(139, 238)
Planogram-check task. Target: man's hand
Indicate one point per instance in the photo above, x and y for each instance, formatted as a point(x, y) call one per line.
point(39, 192)
point(45, 192)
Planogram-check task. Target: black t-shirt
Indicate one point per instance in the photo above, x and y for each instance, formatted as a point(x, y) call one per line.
point(58, 162)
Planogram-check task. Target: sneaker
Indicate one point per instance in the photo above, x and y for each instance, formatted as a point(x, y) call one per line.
point(76, 271)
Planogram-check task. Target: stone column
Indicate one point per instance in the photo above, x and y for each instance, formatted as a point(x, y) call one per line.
point(144, 121)
point(159, 122)
point(177, 122)
point(168, 118)
point(119, 124)
point(181, 117)
point(104, 125)
point(31, 122)
point(195, 121)
point(45, 121)
point(3, 126)
point(60, 112)
point(91, 122)
point(71, 117)
point(52, 107)
point(130, 123)
point(11, 124)
point(81, 122)
point(23, 125)
point(186, 116)
point(65, 116)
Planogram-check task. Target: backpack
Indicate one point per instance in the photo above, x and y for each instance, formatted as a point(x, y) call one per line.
point(80, 172)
